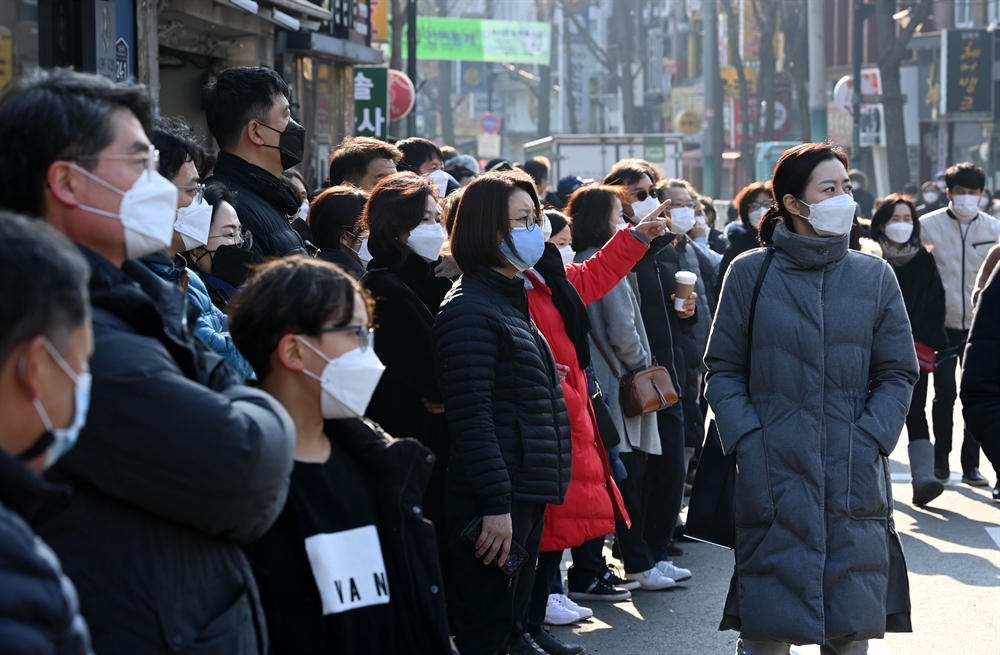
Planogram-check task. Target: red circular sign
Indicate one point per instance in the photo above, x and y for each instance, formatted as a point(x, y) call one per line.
point(402, 95)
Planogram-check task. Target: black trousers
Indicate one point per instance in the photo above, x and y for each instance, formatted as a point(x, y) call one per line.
point(663, 484)
point(916, 419)
point(548, 566)
point(588, 564)
point(487, 607)
point(636, 553)
point(943, 406)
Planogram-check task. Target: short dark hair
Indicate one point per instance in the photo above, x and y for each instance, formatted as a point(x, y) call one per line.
point(746, 196)
point(590, 207)
point(396, 205)
point(416, 151)
point(965, 174)
point(291, 295)
point(334, 212)
point(448, 153)
point(236, 97)
point(217, 192)
point(537, 168)
point(625, 173)
point(791, 175)
point(708, 206)
point(57, 114)
point(177, 145)
point(43, 284)
point(349, 162)
point(292, 174)
point(482, 214)
point(884, 212)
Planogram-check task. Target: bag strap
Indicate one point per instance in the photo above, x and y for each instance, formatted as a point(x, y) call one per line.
point(753, 303)
point(607, 359)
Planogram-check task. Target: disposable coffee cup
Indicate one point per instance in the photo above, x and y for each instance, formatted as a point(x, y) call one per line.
point(685, 286)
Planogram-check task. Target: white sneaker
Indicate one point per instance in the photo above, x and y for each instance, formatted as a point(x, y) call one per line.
point(584, 612)
point(677, 573)
point(558, 614)
point(652, 580)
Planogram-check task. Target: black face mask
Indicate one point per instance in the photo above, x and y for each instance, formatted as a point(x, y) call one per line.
point(292, 143)
point(231, 264)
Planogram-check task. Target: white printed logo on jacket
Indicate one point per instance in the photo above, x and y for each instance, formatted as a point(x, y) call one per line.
point(348, 569)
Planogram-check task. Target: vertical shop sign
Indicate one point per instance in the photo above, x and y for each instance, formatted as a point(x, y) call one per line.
point(371, 101)
point(966, 76)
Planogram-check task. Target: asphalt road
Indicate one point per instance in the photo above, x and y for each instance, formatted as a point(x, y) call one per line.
point(952, 550)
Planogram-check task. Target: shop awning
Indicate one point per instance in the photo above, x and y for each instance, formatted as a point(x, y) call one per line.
point(323, 45)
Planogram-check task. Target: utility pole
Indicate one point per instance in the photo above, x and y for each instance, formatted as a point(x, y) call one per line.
point(862, 11)
point(411, 61)
point(817, 71)
point(710, 52)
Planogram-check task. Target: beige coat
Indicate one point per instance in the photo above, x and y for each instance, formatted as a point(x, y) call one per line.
point(958, 259)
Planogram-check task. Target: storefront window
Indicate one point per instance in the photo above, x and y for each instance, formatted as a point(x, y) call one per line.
point(18, 38)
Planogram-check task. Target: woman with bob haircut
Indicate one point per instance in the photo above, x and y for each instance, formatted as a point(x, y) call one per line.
point(351, 565)
point(405, 236)
point(812, 418)
point(510, 433)
point(752, 202)
point(896, 229)
point(333, 220)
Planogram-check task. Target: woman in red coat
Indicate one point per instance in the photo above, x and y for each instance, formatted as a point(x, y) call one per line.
point(557, 295)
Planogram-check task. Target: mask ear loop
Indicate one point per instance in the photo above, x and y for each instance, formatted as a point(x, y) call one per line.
point(318, 352)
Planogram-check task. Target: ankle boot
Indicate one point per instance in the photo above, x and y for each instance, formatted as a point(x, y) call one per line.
point(926, 487)
point(942, 470)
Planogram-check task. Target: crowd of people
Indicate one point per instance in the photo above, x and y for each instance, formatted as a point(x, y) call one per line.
point(243, 416)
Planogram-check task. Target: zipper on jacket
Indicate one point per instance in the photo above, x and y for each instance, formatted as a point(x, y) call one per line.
point(670, 332)
point(962, 290)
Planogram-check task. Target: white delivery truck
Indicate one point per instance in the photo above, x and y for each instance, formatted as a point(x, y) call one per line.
point(593, 155)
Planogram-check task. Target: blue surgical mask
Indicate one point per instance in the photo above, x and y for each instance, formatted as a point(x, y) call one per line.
point(62, 439)
point(529, 244)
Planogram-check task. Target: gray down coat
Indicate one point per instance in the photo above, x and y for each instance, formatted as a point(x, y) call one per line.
point(817, 554)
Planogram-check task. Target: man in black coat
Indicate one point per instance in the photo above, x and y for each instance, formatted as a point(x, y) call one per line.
point(981, 375)
point(45, 342)
point(248, 114)
point(178, 463)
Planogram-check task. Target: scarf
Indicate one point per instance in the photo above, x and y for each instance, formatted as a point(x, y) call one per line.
point(898, 255)
point(567, 301)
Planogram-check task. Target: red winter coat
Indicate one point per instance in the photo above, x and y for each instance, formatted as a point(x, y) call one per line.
point(593, 501)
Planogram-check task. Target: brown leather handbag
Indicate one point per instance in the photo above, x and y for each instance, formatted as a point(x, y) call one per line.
point(643, 391)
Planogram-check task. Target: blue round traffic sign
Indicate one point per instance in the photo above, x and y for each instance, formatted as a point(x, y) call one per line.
point(489, 123)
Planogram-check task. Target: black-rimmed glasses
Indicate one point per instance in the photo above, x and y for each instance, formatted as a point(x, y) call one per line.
point(366, 335)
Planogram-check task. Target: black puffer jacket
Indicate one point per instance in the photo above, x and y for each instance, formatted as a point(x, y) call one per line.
point(39, 607)
point(923, 295)
point(509, 428)
point(741, 239)
point(655, 275)
point(177, 465)
point(263, 203)
point(981, 373)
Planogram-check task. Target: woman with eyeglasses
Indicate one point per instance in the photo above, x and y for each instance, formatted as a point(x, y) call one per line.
point(333, 220)
point(510, 433)
point(405, 236)
point(753, 202)
point(350, 566)
point(224, 262)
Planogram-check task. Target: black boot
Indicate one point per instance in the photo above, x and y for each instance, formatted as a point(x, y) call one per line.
point(941, 470)
point(553, 646)
point(925, 486)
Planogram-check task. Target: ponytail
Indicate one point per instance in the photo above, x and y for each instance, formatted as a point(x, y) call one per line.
point(769, 221)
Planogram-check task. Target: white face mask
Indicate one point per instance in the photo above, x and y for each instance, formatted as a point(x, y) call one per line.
point(833, 216)
point(898, 232)
point(546, 227)
point(622, 226)
point(348, 381)
point(757, 214)
point(440, 181)
point(567, 255)
point(644, 208)
point(193, 223)
point(941, 184)
point(682, 218)
point(426, 240)
point(363, 253)
point(931, 197)
point(304, 210)
point(965, 207)
point(63, 439)
point(147, 212)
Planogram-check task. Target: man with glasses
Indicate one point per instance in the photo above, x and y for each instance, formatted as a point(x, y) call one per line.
point(178, 463)
point(250, 117)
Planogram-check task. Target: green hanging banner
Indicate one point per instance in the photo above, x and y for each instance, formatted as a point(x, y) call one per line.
point(469, 39)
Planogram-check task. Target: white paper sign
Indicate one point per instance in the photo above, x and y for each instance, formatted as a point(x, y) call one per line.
point(348, 569)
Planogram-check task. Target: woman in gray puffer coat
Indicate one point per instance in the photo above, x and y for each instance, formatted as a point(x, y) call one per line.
point(812, 422)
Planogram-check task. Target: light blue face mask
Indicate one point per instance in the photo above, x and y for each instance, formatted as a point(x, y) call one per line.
point(63, 439)
point(529, 244)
